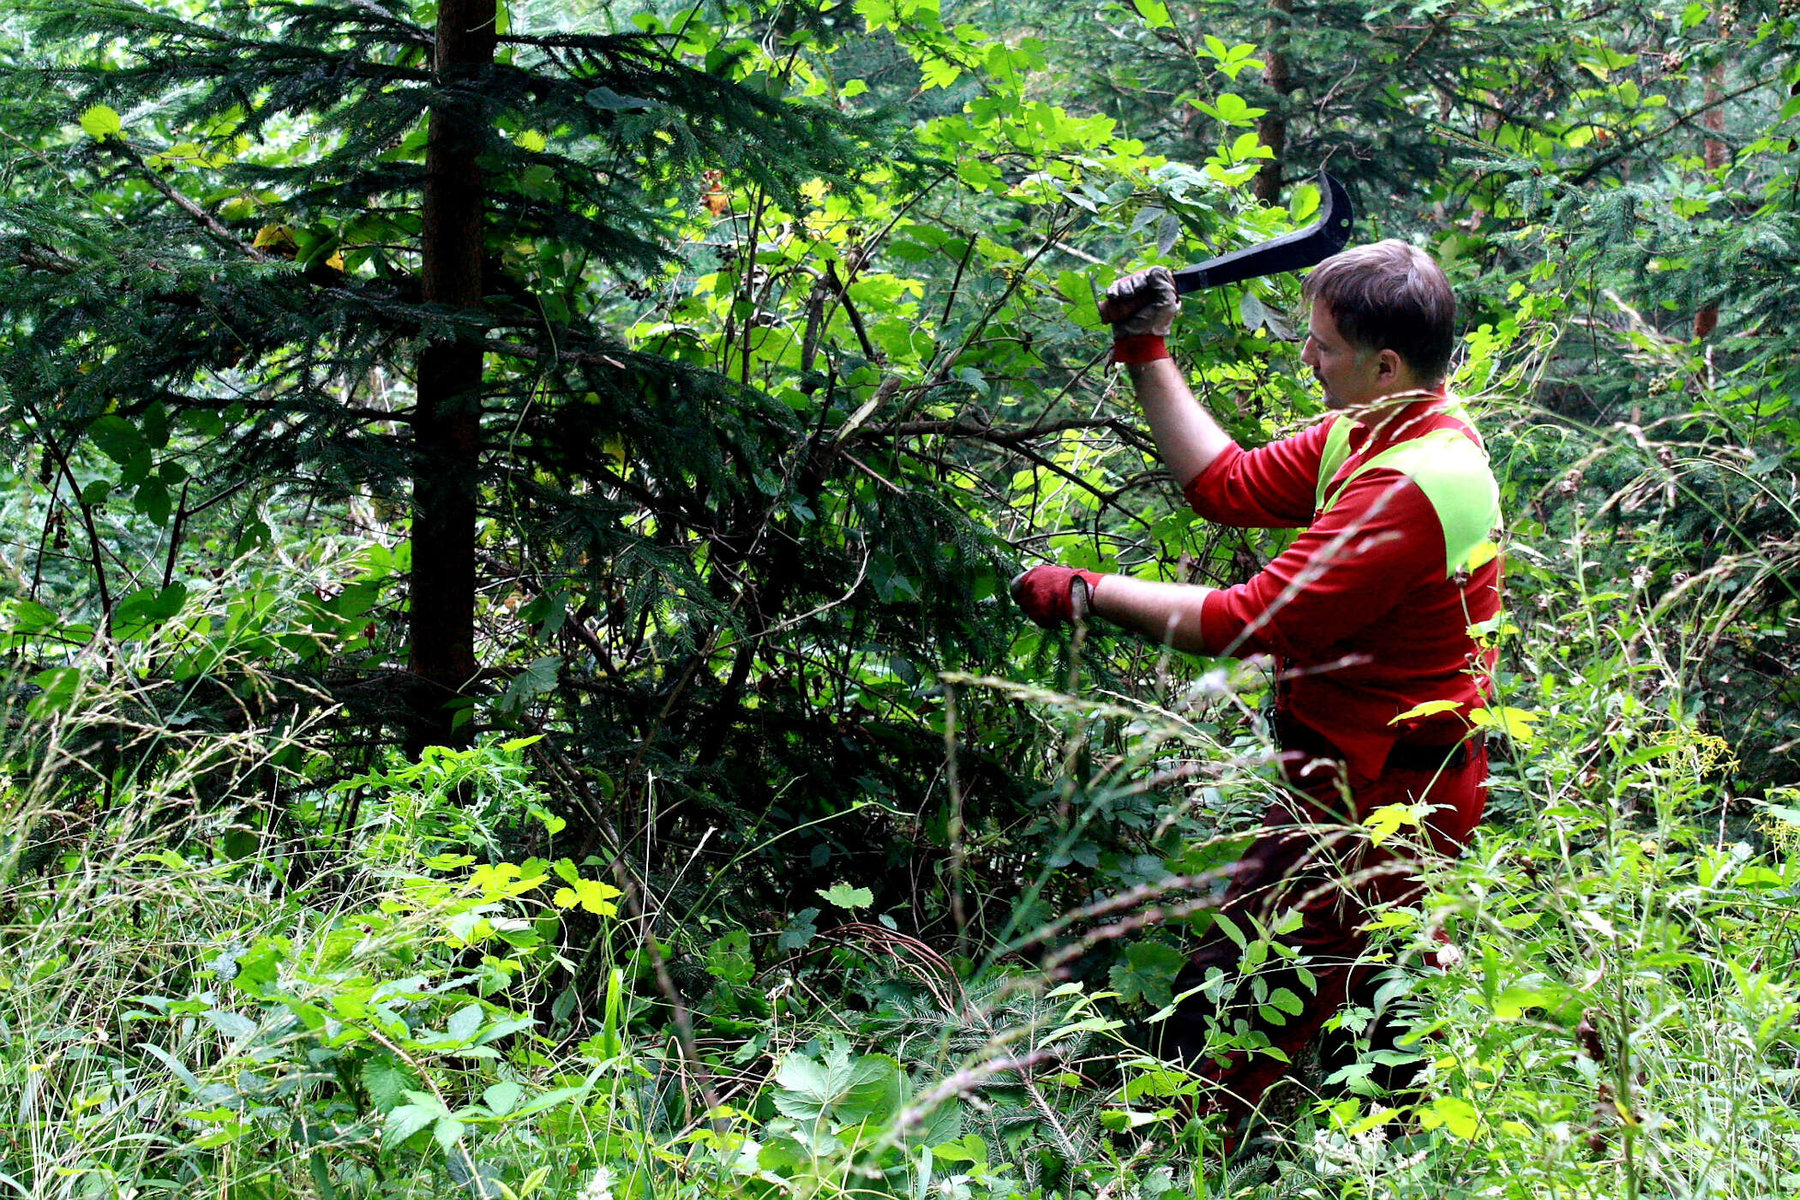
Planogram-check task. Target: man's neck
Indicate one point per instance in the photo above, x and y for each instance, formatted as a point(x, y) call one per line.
point(1395, 417)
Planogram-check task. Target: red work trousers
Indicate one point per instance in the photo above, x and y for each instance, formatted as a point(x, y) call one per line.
point(1312, 856)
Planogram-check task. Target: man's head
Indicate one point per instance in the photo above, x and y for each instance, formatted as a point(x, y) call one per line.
point(1383, 322)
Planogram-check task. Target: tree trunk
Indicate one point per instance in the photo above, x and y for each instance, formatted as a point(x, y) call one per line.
point(1717, 155)
point(447, 420)
point(1271, 129)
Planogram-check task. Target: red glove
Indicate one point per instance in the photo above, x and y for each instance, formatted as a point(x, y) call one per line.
point(1053, 595)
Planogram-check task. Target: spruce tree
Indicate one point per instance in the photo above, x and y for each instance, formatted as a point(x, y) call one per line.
point(356, 246)
point(712, 542)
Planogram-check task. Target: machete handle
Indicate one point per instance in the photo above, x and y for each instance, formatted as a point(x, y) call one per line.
point(1290, 252)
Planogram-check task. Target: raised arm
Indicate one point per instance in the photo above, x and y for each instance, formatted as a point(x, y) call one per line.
point(1187, 437)
point(1141, 309)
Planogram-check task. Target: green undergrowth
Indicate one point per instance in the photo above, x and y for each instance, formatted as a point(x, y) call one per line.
point(1598, 995)
point(237, 959)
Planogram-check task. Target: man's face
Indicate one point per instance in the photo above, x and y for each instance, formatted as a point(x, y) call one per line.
point(1351, 376)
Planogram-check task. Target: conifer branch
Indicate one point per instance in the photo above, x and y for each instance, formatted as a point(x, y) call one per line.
point(54, 263)
point(963, 427)
point(537, 354)
point(129, 153)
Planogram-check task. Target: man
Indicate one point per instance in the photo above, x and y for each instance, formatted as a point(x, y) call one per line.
point(1367, 614)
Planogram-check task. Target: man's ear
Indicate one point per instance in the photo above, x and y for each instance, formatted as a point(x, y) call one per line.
point(1389, 366)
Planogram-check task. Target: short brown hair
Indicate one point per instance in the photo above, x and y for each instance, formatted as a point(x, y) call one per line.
point(1389, 295)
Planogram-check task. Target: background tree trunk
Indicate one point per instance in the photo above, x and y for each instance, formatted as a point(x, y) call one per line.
point(1717, 154)
point(1271, 129)
point(447, 421)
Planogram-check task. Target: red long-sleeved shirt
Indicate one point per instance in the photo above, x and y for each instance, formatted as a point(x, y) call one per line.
point(1363, 613)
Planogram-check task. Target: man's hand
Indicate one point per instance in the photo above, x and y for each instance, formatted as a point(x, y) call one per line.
point(1053, 595)
point(1141, 304)
point(1141, 309)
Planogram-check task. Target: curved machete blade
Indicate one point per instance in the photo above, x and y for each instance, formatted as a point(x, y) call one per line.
point(1290, 252)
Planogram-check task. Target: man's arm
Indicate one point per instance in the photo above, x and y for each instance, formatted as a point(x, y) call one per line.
point(1349, 569)
point(1187, 437)
point(1270, 487)
point(1166, 613)
point(1141, 309)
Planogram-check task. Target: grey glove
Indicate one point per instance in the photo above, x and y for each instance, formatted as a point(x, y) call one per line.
point(1143, 303)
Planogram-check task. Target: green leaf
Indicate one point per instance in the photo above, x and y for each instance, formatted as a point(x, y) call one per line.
point(1157, 1083)
point(1232, 109)
point(155, 426)
point(137, 468)
point(408, 1119)
point(448, 1131)
point(1254, 313)
point(806, 1087)
point(870, 1087)
point(236, 1026)
point(551, 1099)
point(1122, 1120)
point(968, 1148)
point(1303, 203)
point(800, 930)
point(1513, 1002)
point(1386, 821)
point(1154, 12)
point(501, 1098)
point(1147, 973)
point(539, 183)
point(844, 896)
point(729, 959)
point(590, 894)
point(938, 73)
point(187, 1077)
point(534, 681)
point(1516, 721)
point(58, 688)
point(148, 609)
point(117, 438)
point(152, 499)
point(1427, 709)
point(101, 122)
point(877, 1089)
point(1248, 146)
point(28, 616)
point(321, 1175)
point(464, 1023)
point(1452, 1113)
